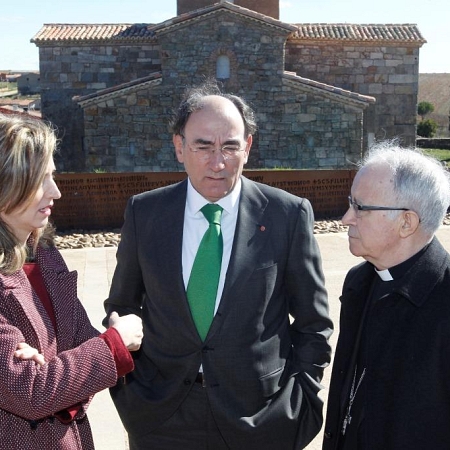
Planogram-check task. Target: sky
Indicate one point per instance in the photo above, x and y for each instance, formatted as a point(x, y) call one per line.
point(19, 22)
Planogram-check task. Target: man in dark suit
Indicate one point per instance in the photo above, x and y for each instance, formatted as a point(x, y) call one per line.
point(391, 373)
point(250, 379)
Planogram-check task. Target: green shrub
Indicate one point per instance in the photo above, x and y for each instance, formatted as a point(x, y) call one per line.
point(423, 108)
point(427, 128)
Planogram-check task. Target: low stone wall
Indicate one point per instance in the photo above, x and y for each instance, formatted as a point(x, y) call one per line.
point(441, 143)
point(97, 200)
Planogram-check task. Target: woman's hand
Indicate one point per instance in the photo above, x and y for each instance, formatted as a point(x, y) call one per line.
point(25, 352)
point(130, 329)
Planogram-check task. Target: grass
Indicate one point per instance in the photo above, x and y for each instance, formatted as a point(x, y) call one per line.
point(6, 86)
point(440, 154)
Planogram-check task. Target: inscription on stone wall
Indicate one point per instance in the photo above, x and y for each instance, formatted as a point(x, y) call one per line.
point(96, 201)
point(327, 190)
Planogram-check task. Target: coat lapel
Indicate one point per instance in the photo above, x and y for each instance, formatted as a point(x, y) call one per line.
point(354, 303)
point(30, 310)
point(62, 289)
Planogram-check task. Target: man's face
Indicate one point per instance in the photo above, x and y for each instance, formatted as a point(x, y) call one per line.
point(374, 235)
point(217, 124)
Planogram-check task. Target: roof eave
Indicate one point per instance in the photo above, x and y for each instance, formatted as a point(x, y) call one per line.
point(104, 95)
point(342, 95)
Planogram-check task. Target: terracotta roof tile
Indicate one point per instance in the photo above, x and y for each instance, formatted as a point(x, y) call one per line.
point(57, 32)
point(358, 32)
point(51, 33)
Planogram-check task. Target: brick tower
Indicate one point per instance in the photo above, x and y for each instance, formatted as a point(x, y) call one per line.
point(269, 8)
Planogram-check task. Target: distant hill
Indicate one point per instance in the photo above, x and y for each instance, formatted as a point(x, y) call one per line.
point(435, 88)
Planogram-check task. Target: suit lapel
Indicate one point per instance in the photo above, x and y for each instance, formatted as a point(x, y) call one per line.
point(167, 230)
point(249, 240)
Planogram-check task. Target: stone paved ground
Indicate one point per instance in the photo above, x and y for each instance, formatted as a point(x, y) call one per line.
point(95, 267)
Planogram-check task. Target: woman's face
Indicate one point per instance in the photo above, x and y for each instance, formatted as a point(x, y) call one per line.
point(22, 221)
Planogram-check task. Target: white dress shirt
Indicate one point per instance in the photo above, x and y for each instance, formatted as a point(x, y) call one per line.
point(195, 225)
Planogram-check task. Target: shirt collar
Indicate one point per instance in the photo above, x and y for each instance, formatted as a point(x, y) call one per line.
point(385, 275)
point(195, 202)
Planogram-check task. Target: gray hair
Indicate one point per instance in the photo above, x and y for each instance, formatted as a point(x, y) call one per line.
point(420, 182)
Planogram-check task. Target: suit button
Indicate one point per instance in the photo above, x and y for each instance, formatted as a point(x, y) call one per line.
point(187, 382)
point(328, 434)
point(207, 349)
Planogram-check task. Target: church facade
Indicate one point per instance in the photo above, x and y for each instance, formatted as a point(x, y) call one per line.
point(322, 92)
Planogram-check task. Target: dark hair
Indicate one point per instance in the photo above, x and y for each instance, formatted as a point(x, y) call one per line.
point(193, 101)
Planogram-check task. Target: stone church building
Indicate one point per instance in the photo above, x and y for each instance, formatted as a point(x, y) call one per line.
point(322, 92)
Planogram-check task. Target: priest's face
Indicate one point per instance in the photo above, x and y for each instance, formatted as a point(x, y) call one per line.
point(374, 235)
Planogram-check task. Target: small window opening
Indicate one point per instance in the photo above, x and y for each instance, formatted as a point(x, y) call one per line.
point(223, 67)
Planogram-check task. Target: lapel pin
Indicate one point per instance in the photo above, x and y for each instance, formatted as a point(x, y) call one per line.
point(262, 228)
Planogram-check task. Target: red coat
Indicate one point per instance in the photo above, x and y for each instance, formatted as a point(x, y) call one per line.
point(78, 363)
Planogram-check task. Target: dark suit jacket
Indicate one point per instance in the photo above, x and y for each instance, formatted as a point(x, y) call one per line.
point(262, 372)
point(408, 358)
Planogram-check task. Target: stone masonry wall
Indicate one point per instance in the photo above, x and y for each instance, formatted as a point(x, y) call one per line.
point(314, 130)
point(388, 73)
point(299, 127)
point(129, 133)
point(67, 71)
point(302, 130)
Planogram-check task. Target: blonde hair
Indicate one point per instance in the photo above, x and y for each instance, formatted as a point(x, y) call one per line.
point(26, 146)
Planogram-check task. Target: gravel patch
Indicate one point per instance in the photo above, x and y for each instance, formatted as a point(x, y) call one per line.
point(74, 239)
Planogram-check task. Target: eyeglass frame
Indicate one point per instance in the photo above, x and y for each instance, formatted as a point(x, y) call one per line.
point(206, 155)
point(357, 207)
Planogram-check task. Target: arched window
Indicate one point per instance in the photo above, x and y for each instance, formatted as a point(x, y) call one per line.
point(223, 67)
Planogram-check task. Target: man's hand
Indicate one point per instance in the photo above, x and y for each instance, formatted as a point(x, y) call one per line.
point(130, 329)
point(25, 352)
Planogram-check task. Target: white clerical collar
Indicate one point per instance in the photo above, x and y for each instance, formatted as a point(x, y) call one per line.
point(385, 275)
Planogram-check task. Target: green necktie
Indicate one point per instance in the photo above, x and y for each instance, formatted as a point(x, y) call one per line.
point(202, 287)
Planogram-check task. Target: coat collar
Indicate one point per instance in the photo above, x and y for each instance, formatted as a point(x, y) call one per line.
point(417, 283)
point(423, 276)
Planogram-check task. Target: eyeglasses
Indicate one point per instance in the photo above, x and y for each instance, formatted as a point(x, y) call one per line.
point(357, 208)
point(204, 152)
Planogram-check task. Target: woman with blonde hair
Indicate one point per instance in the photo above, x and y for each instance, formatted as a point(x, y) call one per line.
point(52, 360)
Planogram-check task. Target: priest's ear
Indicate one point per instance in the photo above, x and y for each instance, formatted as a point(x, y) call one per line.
point(410, 223)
